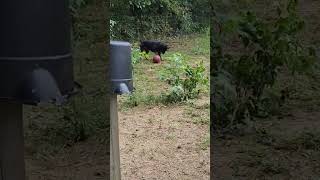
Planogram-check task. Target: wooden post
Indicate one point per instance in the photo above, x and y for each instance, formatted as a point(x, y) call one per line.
point(114, 145)
point(12, 166)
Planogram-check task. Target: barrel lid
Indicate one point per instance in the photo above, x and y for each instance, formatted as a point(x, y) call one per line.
point(120, 43)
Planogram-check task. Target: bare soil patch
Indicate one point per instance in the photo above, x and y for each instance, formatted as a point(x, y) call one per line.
point(162, 143)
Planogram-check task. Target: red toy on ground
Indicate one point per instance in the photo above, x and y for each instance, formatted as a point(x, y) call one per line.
point(156, 59)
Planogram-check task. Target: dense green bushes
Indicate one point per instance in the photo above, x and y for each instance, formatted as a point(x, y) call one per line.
point(250, 53)
point(137, 19)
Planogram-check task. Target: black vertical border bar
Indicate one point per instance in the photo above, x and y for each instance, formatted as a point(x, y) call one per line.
point(106, 15)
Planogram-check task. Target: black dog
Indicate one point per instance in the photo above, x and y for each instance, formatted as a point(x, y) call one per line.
point(153, 46)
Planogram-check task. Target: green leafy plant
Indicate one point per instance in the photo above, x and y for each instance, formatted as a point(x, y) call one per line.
point(185, 80)
point(137, 55)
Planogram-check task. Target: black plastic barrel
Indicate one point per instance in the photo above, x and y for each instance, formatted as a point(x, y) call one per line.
point(35, 50)
point(121, 67)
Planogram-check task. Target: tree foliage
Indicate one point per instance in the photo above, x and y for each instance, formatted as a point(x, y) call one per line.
point(136, 19)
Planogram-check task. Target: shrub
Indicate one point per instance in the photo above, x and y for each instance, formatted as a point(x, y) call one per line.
point(240, 79)
point(185, 80)
point(137, 55)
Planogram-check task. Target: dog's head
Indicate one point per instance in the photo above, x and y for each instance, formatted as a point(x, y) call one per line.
point(164, 48)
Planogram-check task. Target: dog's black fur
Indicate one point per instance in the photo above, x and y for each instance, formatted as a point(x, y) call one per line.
point(153, 46)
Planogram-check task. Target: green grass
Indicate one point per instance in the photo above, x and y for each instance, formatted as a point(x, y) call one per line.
point(202, 45)
point(149, 89)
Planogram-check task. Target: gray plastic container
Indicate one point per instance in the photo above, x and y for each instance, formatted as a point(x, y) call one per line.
point(120, 67)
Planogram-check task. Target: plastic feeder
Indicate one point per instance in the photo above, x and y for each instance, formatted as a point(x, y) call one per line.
point(121, 83)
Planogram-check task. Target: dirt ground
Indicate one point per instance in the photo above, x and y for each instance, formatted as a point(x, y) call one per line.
point(83, 161)
point(285, 146)
point(162, 143)
point(279, 152)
